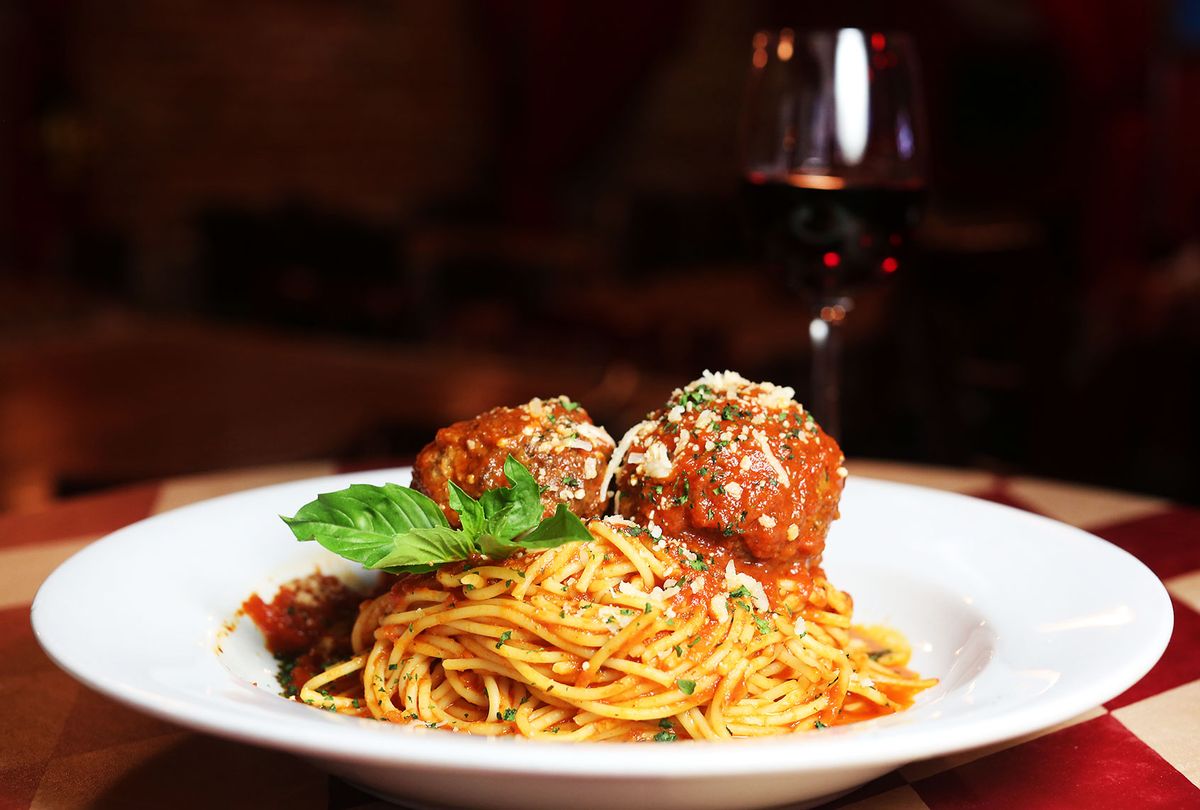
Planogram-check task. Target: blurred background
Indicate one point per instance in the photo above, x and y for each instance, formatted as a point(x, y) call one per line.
point(255, 233)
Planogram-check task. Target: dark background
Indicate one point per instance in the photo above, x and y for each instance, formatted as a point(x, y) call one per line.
point(236, 234)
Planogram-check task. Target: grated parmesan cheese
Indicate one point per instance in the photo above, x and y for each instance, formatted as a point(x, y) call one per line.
point(657, 463)
point(761, 438)
point(618, 454)
point(717, 607)
point(706, 418)
point(776, 397)
point(735, 578)
point(595, 433)
point(722, 382)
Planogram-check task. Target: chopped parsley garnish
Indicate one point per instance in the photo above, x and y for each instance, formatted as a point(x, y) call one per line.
point(626, 612)
point(505, 636)
point(286, 666)
point(698, 564)
point(647, 610)
point(877, 654)
point(679, 651)
point(686, 686)
point(507, 716)
point(570, 481)
point(570, 406)
point(665, 736)
point(698, 395)
point(819, 724)
point(763, 625)
point(740, 593)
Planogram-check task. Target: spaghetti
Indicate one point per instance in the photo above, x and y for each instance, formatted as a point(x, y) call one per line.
point(631, 636)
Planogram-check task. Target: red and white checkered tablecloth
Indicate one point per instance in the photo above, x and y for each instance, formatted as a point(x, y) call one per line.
point(64, 746)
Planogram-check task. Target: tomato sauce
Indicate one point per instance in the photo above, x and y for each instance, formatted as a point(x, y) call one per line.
point(306, 625)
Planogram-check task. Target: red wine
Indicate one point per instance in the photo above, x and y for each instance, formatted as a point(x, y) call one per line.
point(831, 239)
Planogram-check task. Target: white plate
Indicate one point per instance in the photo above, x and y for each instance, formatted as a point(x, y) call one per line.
point(1027, 622)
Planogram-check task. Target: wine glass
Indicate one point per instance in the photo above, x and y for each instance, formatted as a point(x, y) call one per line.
point(833, 167)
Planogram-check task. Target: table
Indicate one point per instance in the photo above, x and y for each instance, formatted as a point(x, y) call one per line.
point(1141, 749)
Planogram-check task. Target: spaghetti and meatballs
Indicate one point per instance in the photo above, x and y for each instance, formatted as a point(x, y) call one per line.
point(699, 610)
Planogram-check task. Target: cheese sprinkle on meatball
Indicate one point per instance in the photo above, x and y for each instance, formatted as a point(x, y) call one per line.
point(554, 438)
point(736, 463)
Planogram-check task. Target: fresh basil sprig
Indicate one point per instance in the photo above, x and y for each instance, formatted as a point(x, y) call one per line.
point(399, 530)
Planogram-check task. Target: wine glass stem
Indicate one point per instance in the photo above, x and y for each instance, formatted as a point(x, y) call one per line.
point(825, 331)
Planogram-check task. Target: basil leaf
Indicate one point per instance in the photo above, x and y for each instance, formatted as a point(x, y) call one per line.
point(361, 522)
point(399, 530)
point(564, 526)
point(512, 510)
point(427, 547)
point(470, 511)
point(494, 547)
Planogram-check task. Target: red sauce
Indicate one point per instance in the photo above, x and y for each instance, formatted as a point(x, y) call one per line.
point(307, 625)
point(302, 612)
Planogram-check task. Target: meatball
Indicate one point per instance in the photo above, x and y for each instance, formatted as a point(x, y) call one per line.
point(554, 438)
point(735, 463)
